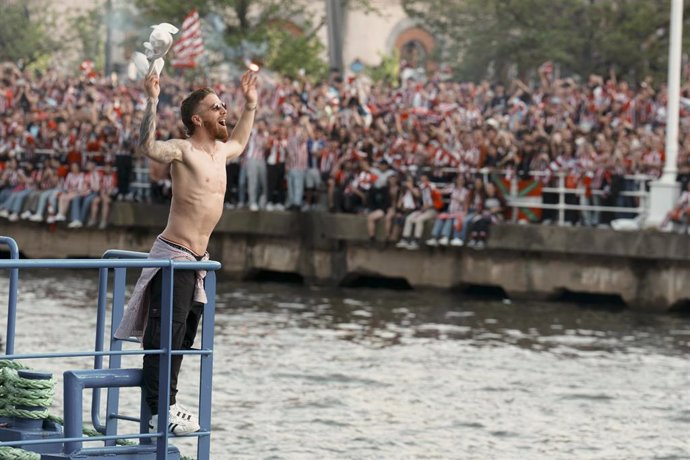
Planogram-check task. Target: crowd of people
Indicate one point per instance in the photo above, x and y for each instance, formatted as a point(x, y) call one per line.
point(406, 155)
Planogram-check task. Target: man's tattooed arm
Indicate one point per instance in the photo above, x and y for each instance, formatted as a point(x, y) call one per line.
point(165, 152)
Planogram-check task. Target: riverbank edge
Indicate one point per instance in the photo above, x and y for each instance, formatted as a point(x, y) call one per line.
point(647, 269)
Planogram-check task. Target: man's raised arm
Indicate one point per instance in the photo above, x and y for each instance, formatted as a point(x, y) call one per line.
point(240, 134)
point(165, 152)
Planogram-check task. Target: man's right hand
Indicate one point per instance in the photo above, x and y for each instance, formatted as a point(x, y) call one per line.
point(152, 86)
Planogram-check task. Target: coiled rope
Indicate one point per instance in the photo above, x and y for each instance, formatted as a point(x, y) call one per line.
point(19, 391)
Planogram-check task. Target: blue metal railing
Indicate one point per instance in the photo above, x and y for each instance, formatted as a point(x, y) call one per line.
point(12, 301)
point(119, 262)
point(112, 405)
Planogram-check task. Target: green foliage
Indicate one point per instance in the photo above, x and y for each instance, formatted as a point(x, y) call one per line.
point(486, 38)
point(89, 29)
point(256, 22)
point(157, 11)
point(388, 71)
point(40, 64)
point(289, 55)
point(24, 34)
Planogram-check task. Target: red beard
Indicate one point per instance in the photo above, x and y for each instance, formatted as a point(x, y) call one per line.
point(218, 131)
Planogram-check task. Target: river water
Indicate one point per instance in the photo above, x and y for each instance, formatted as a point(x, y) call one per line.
point(321, 373)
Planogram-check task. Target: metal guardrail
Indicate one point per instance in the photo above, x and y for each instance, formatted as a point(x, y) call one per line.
point(642, 195)
point(140, 188)
point(119, 262)
point(517, 203)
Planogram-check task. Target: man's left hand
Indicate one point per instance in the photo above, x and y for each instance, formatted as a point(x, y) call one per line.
point(248, 85)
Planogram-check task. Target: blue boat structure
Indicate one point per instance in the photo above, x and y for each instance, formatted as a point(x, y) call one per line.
point(27, 431)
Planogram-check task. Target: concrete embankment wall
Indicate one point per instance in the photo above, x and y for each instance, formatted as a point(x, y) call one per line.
point(648, 270)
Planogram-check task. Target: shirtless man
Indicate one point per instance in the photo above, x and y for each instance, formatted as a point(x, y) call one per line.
point(198, 184)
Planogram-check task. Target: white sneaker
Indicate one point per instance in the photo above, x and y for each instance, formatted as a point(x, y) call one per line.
point(180, 411)
point(412, 245)
point(60, 218)
point(75, 224)
point(13, 217)
point(402, 244)
point(50, 219)
point(4, 213)
point(36, 218)
point(269, 207)
point(280, 207)
point(26, 214)
point(180, 421)
point(431, 242)
point(254, 207)
point(443, 241)
point(457, 242)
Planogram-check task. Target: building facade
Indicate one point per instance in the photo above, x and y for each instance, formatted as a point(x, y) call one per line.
point(367, 36)
point(363, 36)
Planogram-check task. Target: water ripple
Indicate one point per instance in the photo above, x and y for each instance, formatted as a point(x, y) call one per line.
point(318, 373)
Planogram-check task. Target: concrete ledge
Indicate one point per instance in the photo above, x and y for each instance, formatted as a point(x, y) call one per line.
point(645, 244)
point(649, 270)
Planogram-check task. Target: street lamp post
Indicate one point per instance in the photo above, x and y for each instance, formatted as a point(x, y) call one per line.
point(664, 192)
point(108, 37)
point(334, 20)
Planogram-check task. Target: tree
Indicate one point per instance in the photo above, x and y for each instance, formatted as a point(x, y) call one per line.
point(486, 38)
point(174, 12)
point(251, 24)
point(632, 36)
point(23, 33)
point(259, 24)
point(89, 29)
point(388, 71)
point(284, 48)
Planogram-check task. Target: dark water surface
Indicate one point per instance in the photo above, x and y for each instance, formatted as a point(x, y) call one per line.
point(317, 373)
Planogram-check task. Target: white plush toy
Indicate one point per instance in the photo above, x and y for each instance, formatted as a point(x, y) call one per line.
point(160, 41)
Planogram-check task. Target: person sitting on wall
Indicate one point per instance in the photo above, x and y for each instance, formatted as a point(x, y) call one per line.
point(430, 201)
point(491, 212)
point(385, 209)
point(450, 223)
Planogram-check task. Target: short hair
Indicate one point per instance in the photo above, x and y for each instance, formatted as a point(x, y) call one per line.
point(190, 105)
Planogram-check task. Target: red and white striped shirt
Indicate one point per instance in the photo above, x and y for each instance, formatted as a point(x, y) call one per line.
point(458, 200)
point(256, 146)
point(296, 154)
point(92, 182)
point(73, 182)
point(364, 180)
point(278, 152)
point(327, 160)
point(109, 183)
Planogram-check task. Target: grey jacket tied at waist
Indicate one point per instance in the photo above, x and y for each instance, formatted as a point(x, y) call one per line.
point(133, 322)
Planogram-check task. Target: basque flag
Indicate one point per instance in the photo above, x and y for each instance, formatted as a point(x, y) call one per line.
point(191, 44)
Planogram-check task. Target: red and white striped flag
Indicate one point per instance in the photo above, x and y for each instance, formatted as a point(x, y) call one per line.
point(190, 45)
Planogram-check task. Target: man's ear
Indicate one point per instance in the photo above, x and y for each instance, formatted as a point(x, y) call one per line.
point(196, 119)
